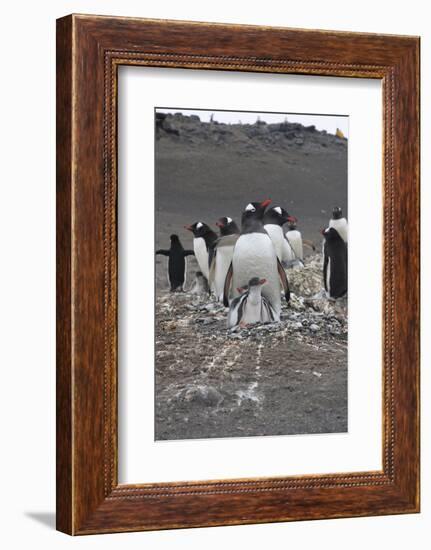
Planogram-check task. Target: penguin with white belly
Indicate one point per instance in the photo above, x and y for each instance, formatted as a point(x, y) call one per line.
point(250, 307)
point(223, 252)
point(334, 264)
point(294, 237)
point(254, 255)
point(273, 222)
point(339, 223)
point(203, 245)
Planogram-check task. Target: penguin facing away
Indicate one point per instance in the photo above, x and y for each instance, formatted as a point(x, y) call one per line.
point(203, 244)
point(273, 222)
point(250, 307)
point(254, 256)
point(339, 223)
point(335, 268)
point(176, 263)
point(223, 252)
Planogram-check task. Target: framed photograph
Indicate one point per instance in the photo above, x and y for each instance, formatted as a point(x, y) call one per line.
point(237, 274)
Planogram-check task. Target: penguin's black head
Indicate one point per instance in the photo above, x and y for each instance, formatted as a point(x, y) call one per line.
point(292, 224)
point(277, 216)
point(337, 213)
point(199, 229)
point(227, 226)
point(252, 217)
point(255, 282)
point(254, 211)
point(174, 239)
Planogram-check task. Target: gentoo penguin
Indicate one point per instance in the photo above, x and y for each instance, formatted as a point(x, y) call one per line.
point(273, 222)
point(203, 245)
point(250, 307)
point(200, 285)
point(254, 256)
point(223, 253)
point(334, 263)
point(176, 263)
point(339, 223)
point(294, 237)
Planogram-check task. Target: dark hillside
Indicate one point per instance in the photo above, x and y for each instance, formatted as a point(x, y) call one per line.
point(205, 170)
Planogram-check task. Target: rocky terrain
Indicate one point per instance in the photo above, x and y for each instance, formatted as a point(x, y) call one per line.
point(279, 378)
point(284, 378)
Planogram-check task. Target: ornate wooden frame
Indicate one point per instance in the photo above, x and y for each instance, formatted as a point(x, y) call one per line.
point(89, 51)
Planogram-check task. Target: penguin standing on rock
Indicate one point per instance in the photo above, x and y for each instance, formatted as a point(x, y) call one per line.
point(254, 255)
point(273, 222)
point(176, 263)
point(223, 252)
point(334, 263)
point(339, 223)
point(251, 307)
point(203, 245)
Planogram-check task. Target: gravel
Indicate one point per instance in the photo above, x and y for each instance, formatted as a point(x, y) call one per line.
point(279, 378)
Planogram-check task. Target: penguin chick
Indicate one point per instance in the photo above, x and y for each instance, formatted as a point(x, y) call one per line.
point(251, 307)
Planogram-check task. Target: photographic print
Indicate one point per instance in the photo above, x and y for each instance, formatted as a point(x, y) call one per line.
point(251, 273)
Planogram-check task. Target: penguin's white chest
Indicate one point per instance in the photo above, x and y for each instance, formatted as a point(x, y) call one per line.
point(201, 254)
point(295, 240)
point(252, 311)
point(281, 246)
point(254, 256)
point(341, 227)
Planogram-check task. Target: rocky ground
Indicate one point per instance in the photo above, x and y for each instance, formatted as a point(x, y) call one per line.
point(280, 378)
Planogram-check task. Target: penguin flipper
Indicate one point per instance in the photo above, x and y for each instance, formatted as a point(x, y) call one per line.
point(189, 253)
point(211, 273)
point(163, 252)
point(283, 279)
point(227, 284)
point(325, 269)
point(211, 254)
